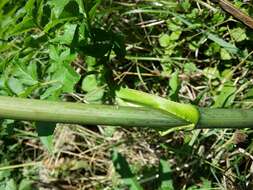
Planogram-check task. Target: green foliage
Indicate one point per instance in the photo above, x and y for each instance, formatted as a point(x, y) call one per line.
point(165, 176)
point(226, 96)
point(122, 167)
point(45, 131)
point(74, 50)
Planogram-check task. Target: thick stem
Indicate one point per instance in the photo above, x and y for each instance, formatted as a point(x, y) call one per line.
point(225, 118)
point(65, 112)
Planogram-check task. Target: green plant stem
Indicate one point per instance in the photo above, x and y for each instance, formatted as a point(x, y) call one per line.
point(66, 112)
point(225, 118)
point(19, 165)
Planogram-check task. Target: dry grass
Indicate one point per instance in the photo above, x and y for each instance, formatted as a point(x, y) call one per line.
point(81, 157)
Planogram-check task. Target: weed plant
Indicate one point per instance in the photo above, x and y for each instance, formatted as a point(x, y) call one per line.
point(83, 50)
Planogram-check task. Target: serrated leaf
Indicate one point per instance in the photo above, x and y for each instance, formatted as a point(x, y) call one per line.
point(61, 71)
point(27, 74)
point(67, 77)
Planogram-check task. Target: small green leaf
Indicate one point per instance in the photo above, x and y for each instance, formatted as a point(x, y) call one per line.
point(71, 9)
point(93, 7)
point(175, 35)
point(228, 46)
point(122, 167)
point(174, 86)
point(224, 54)
point(61, 70)
point(164, 40)
point(25, 184)
point(249, 94)
point(89, 83)
point(165, 175)
point(54, 23)
point(213, 48)
point(94, 92)
point(58, 6)
point(45, 128)
point(119, 45)
point(91, 63)
point(90, 7)
point(95, 95)
point(211, 73)
point(27, 74)
point(11, 185)
point(47, 142)
point(226, 96)
point(190, 68)
point(26, 25)
point(238, 34)
point(186, 5)
point(52, 93)
point(29, 6)
point(68, 36)
point(4, 174)
point(45, 131)
point(15, 85)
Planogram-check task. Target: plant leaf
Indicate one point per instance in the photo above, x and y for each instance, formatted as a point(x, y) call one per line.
point(122, 167)
point(226, 96)
point(228, 46)
point(186, 112)
point(45, 131)
point(58, 6)
point(26, 25)
point(165, 175)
